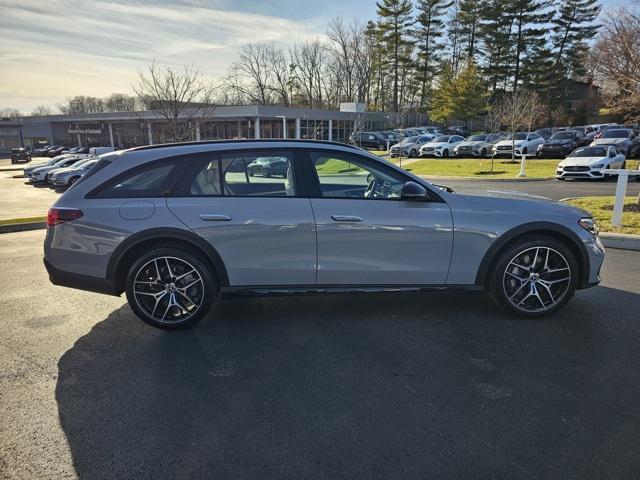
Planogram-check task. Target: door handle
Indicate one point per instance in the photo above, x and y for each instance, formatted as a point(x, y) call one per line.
point(215, 218)
point(346, 218)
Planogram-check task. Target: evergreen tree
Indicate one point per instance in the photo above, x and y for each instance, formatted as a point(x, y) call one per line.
point(455, 36)
point(469, 93)
point(469, 19)
point(572, 28)
point(529, 32)
point(495, 33)
point(443, 100)
point(430, 27)
point(395, 23)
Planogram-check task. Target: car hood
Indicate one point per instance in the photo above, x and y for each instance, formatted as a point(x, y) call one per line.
point(508, 200)
point(517, 143)
point(559, 142)
point(582, 161)
point(435, 144)
point(403, 145)
point(471, 144)
point(63, 170)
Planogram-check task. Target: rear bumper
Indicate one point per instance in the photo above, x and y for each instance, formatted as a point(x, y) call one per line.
point(78, 281)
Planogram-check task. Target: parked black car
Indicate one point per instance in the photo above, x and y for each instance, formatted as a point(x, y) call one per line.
point(561, 144)
point(20, 155)
point(370, 140)
point(42, 150)
point(55, 151)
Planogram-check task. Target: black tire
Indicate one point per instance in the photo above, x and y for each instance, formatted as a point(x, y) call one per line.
point(266, 173)
point(445, 153)
point(203, 293)
point(73, 180)
point(381, 148)
point(483, 153)
point(497, 280)
point(525, 151)
point(413, 153)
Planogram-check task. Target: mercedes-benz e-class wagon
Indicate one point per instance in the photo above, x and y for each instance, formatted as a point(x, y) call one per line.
point(176, 226)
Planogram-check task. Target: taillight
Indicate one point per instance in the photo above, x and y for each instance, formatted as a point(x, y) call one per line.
point(61, 215)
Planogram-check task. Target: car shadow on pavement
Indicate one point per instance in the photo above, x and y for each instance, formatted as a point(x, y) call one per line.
point(404, 386)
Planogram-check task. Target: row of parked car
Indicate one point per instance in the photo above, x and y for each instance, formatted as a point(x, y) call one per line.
point(543, 143)
point(64, 170)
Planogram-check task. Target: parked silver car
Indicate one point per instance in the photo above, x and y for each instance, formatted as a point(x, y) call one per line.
point(65, 177)
point(480, 145)
point(410, 146)
point(175, 226)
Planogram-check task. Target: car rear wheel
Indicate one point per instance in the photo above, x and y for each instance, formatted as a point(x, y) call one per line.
point(534, 277)
point(170, 288)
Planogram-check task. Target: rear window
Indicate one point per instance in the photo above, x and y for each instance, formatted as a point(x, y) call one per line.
point(149, 180)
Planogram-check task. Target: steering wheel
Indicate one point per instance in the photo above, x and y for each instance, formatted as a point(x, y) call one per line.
point(371, 190)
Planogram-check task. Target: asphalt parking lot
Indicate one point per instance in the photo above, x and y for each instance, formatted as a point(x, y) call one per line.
point(394, 386)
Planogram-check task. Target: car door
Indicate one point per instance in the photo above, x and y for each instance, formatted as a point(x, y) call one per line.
point(262, 227)
point(368, 235)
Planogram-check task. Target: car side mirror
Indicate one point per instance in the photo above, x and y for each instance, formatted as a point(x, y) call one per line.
point(413, 191)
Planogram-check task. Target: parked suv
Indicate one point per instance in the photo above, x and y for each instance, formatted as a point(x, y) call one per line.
point(175, 226)
point(520, 143)
point(370, 140)
point(20, 155)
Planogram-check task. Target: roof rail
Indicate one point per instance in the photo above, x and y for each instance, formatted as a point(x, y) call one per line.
point(250, 140)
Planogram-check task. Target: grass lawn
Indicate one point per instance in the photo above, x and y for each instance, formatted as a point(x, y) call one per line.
point(13, 221)
point(602, 208)
point(481, 168)
point(333, 166)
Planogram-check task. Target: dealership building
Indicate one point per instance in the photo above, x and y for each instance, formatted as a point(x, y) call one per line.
point(132, 129)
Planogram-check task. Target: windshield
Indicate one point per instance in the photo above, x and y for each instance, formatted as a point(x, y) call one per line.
point(409, 140)
point(516, 136)
point(477, 138)
point(562, 136)
point(590, 152)
point(443, 138)
point(616, 134)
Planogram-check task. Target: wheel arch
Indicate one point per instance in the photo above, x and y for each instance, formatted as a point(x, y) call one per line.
point(554, 230)
point(125, 253)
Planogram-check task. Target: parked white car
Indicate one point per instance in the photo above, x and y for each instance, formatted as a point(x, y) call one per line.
point(588, 162)
point(522, 143)
point(442, 146)
point(410, 146)
point(477, 145)
point(40, 174)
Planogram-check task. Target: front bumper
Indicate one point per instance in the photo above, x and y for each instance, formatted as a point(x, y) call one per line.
point(579, 172)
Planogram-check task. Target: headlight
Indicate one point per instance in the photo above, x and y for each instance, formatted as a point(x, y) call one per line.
point(600, 165)
point(590, 225)
point(540, 146)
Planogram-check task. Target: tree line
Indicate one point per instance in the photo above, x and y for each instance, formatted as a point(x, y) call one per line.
point(450, 58)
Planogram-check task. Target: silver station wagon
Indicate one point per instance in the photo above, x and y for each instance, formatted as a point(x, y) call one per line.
point(176, 226)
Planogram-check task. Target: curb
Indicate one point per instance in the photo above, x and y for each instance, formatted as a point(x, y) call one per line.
point(506, 180)
point(12, 169)
point(22, 227)
point(622, 241)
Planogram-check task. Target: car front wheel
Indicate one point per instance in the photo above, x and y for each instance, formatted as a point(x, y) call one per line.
point(170, 288)
point(534, 277)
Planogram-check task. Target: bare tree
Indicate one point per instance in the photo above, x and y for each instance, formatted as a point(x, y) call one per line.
point(251, 74)
point(41, 110)
point(616, 61)
point(10, 113)
point(518, 110)
point(182, 97)
point(120, 102)
point(309, 59)
point(81, 104)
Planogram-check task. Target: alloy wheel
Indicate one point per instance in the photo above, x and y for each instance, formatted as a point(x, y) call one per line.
point(536, 279)
point(168, 289)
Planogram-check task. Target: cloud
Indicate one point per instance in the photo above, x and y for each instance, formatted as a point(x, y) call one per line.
point(58, 48)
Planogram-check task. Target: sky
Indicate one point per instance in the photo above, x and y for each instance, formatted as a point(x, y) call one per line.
point(54, 49)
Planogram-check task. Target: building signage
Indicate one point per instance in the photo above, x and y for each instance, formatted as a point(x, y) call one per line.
point(86, 131)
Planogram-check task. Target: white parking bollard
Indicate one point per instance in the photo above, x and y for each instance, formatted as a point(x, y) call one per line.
point(621, 191)
point(523, 166)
